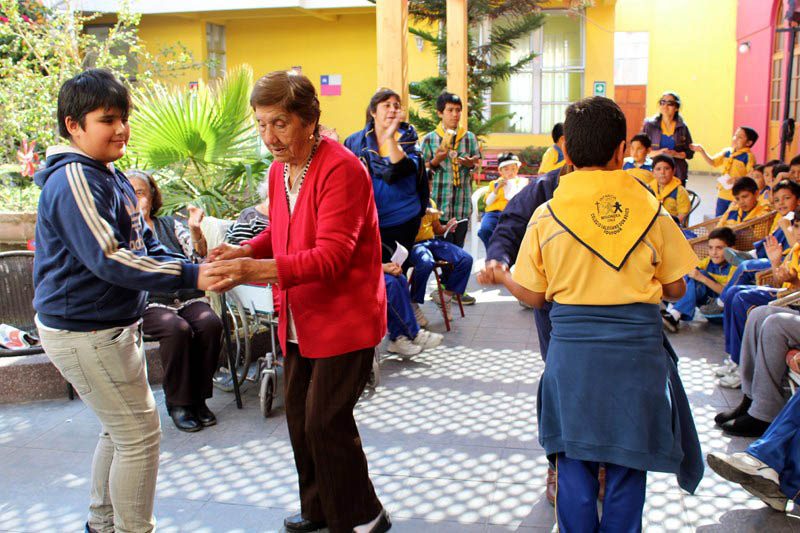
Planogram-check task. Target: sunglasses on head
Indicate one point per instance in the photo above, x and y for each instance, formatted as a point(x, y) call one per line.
point(672, 103)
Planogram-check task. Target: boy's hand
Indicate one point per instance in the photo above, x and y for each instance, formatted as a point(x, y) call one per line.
point(697, 148)
point(693, 274)
point(774, 250)
point(433, 212)
point(500, 182)
point(393, 269)
point(469, 161)
point(782, 274)
point(452, 223)
point(492, 273)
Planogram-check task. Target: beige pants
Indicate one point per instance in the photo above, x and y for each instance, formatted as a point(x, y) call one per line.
point(107, 369)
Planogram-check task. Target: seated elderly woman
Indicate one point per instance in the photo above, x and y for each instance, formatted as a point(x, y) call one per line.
point(768, 334)
point(252, 220)
point(188, 330)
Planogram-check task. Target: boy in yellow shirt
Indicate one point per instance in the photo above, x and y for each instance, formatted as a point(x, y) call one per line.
point(638, 164)
point(553, 158)
point(747, 206)
point(736, 162)
point(605, 253)
point(669, 190)
point(500, 192)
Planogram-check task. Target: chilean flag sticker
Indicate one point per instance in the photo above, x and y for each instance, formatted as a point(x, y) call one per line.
point(330, 85)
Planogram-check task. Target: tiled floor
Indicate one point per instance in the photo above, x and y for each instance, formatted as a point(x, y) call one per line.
point(450, 437)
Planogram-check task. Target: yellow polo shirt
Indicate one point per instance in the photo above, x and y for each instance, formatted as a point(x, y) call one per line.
point(552, 159)
point(734, 217)
point(425, 232)
point(554, 262)
point(792, 262)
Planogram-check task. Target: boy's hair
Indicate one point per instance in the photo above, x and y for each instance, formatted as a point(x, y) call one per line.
point(558, 131)
point(92, 89)
point(594, 129)
point(795, 161)
point(789, 185)
point(447, 98)
point(750, 134)
point(663, 158)
point(779, 167)
point(772, 163)
point(724, 234)
point(643, 139)
point(745, 184)
point(759, 168)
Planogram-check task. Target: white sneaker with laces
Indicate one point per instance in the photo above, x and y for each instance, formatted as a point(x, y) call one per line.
point(402, 345)
point(753, 475)
point(731, 381)
point(419, 315)
point(427, 339)
point(727, 367)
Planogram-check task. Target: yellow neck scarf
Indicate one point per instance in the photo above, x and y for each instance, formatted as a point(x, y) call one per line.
point(726, 168)
point(460, 132)
point(663, 193)
point(608, 212)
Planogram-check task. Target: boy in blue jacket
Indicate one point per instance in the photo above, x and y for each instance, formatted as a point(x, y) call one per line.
point(95, 259)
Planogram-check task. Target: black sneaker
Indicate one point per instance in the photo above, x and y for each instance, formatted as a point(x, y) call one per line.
point(745, 426)
point(467, 299)
point(670, 324)
point(736, 412)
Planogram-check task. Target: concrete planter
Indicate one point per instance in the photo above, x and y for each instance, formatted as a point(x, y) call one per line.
point(16, 227)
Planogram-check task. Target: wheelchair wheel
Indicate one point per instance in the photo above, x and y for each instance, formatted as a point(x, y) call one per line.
point(240, 337)
point(266, 393)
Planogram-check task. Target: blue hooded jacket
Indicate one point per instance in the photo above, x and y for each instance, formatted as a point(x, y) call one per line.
point(401, 189)
point(95, 257)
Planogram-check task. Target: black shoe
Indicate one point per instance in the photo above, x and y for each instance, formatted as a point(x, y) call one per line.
point(184, 418)
point(298, 524)
point(670, 324)
point(745, 426)
point(736, 412)
point(383, 524)
point(204, 415)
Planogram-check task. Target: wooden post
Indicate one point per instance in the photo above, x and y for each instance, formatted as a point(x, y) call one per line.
point(457, 44)
point(391, 18)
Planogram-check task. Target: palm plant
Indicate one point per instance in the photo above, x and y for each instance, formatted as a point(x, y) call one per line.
point(200, 143)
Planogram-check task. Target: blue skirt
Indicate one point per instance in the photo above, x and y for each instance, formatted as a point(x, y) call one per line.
point(611, 393)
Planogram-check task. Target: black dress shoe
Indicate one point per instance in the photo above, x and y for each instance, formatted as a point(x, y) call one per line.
point(745, 426)
point(204, 415)
point(383, 524)
point(298, 524)
point(184, 418)
point(734, 413)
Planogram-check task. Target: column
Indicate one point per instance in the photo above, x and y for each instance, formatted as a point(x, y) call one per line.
point(391, 25)
point(457, 44)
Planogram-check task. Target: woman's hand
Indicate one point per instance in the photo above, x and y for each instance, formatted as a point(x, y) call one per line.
point(393, 269)
point(774, 250)
point(196, 215)
point(493, 273)
point(229, 251)
point(698, 148)
point(231, 272)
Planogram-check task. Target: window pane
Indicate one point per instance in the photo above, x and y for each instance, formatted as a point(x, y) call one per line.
point(562, 45)
point(518, 88)
point(552, 114)
point(521, 122)
point(519, 49)
point(561, 86)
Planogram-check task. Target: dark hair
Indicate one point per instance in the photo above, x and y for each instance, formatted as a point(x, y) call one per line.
point(381, 95)
point(290, 91)
point(508, 156)
point(724, 234)
point(745, 184)
point(664, 158)
point(789, 185)
point(155, 194)
point(447, 98)
point(92, 89)
point(759, 168)
point(750, 134)
point(677, 101)
point(772, 163)
point(558, 131)
point(594, 129)
point(795, 161)
point(779, 167)
point(643, 139)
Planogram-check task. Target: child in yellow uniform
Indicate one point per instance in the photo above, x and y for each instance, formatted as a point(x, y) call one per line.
point(736, 162)
point(638, 164)
point(605, 253)
point(553, 158)
point(500, 192)
point(747, 206)
point(669, 190)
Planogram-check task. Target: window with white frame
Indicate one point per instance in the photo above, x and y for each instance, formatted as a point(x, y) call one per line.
point(215, 46)
point(540, 93)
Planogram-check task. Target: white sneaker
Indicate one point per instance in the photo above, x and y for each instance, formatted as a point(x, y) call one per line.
point(427, 339)
point(727, 367)
point(402, 345)
point(419, 315)
point(731, 381)
point(754, 476)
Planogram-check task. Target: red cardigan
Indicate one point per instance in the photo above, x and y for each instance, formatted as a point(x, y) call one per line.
point(328, 255)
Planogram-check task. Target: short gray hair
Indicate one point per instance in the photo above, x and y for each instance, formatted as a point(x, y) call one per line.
point(263, 188)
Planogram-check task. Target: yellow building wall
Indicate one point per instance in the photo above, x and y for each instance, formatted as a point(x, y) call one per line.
point(159, 31)
point(599, 61)
point(692, 52)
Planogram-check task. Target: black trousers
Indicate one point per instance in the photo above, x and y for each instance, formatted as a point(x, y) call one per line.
point(190, 340)
point(331, 465)
point(405, 234)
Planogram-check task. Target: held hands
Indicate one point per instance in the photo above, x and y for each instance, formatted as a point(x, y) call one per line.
point(228, 251)
point(774, 250)
point(228, 273)
point(698, 148)
point(493, 273)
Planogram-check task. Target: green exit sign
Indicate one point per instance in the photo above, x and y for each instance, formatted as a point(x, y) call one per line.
point(599, 88)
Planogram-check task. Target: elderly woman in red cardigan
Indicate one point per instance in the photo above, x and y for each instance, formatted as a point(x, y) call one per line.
point(323, 249)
